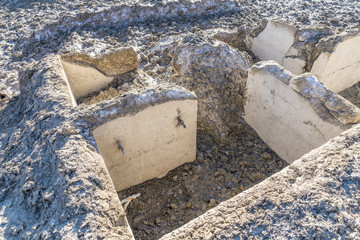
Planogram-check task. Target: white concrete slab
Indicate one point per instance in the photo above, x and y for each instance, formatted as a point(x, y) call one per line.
point(148, 144)
point(284, 119)
point(339, 69)
point(273, 42)
point(84, 80)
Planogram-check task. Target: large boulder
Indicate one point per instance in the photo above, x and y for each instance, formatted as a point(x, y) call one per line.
point(216, 72)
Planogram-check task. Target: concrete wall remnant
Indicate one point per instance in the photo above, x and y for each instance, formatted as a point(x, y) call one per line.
point(320, 185)
point(294, 115)
point(289, 45)
point(87, 74)
point(150, 143)
point(273, 42)
point(339, 68)
point(52, 145)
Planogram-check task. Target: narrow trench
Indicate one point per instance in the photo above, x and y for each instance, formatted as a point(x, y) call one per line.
point(217, 174)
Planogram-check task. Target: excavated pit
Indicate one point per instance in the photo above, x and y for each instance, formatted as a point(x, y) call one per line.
point(180, 171)
point(55, 180)
point(217, 174)
point(288, 123)
point(140, 148)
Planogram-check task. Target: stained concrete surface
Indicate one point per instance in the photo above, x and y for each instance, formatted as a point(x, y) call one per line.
point(149, 144)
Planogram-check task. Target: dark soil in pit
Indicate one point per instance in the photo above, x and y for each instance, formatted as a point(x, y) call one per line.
point(219, 173)
point(352, 94)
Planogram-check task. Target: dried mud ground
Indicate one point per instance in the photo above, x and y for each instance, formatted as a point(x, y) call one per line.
point(219, 173)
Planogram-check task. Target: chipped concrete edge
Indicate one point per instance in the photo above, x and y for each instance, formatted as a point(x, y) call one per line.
point(310, 88)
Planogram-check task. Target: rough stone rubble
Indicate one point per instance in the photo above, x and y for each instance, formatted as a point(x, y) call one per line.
point(53, 181)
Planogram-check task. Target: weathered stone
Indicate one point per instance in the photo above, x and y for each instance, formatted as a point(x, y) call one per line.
point(216, 73)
